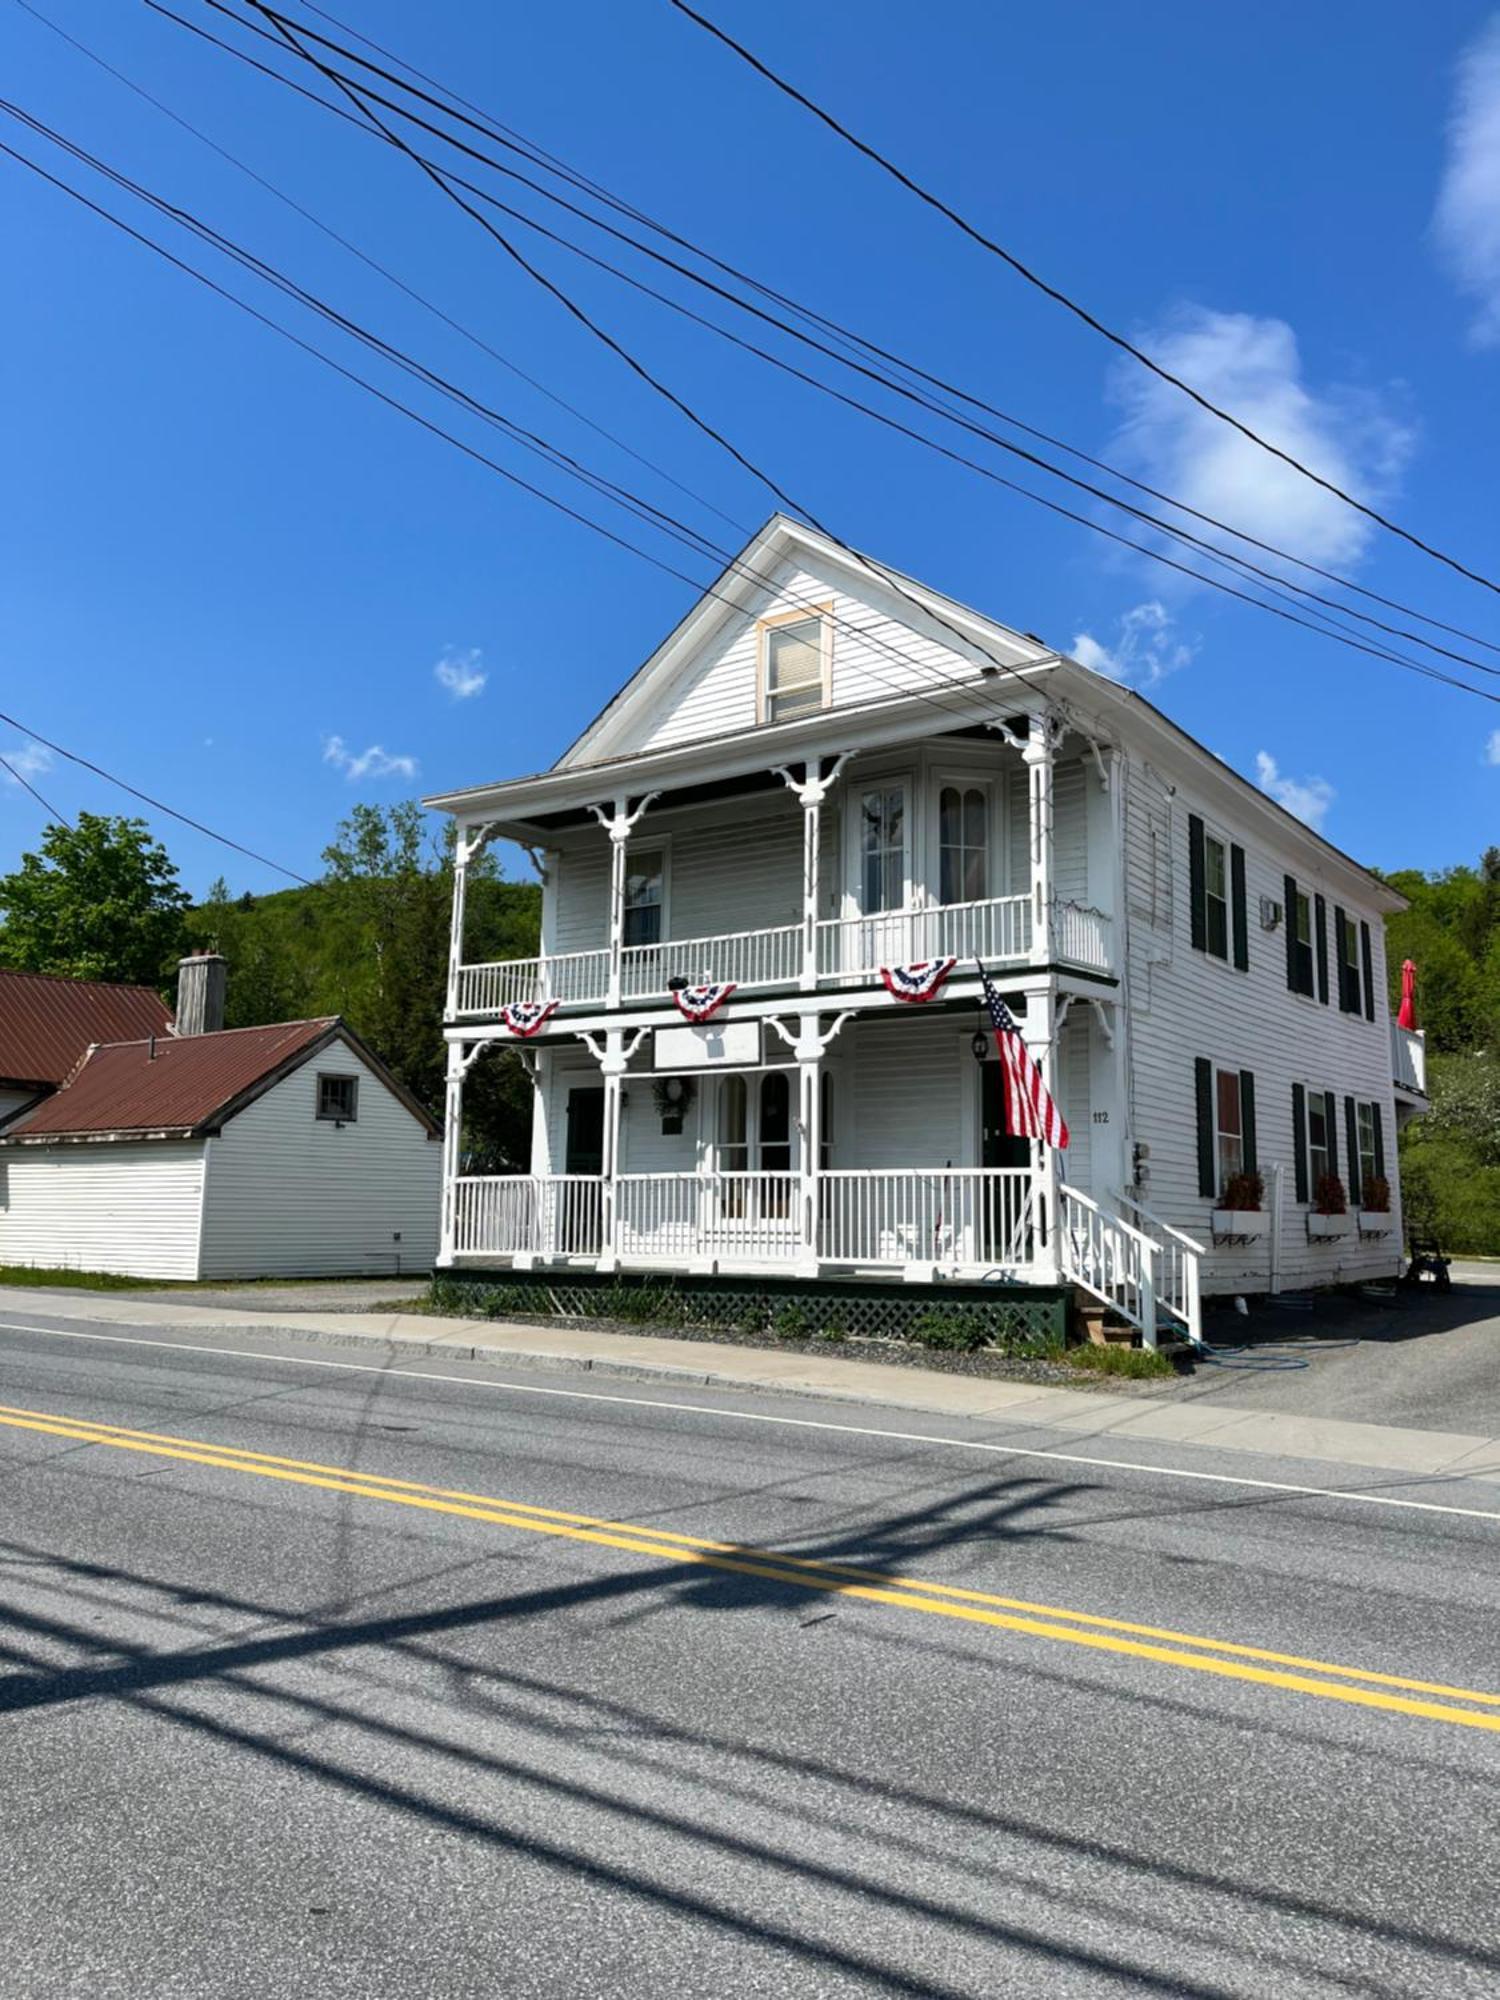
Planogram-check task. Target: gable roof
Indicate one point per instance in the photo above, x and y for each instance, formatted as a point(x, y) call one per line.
point(46, 1022)
point(748, 581)
point(186, 1086)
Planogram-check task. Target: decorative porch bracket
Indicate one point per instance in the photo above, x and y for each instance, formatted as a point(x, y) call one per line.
point(618, 822)
point(809, 1045)
point(812, 788)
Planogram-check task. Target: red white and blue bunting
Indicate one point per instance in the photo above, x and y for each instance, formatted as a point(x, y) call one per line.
point(917, 982)
point(528, 1017)
point(701, 1003)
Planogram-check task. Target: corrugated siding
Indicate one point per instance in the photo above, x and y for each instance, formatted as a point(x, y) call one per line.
point(292, 1195)
point(717, 693)
point(1185, 1004)
point(130, 1207)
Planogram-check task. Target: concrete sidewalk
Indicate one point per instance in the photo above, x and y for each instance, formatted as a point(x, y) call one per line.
point(404, 1337)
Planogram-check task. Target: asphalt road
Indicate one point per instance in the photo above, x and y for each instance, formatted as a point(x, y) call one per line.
point(564, 1691)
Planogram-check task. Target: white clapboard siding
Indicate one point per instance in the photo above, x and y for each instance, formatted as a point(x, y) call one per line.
point(913, 1093)
point(1185, 1004)
point(130, 1207)
point(876, 655)
point(1075, 1100)
point(292, 1195)
point(1070, 834)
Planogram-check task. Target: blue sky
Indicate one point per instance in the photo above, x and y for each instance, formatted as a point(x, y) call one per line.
point(233, 579)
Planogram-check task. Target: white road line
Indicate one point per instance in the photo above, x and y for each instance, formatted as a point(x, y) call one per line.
point(399, 1372)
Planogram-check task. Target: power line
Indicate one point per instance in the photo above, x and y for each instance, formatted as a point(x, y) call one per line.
point(26, 785)
point(927, 402)
point(1061, 298)
point(370, 262)
point(1317, 623)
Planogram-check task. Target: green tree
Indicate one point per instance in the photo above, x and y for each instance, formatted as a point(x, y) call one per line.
point(100, 901)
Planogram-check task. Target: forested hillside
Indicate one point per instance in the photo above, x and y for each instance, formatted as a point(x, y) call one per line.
point(1450, 1160)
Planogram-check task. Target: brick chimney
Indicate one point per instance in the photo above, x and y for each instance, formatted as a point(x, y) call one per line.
point(201, 981)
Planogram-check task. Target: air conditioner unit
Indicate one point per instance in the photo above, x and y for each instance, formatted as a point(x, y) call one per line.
point(1270, 913)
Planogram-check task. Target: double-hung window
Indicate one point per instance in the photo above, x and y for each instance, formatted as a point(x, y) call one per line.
point(882, 844)
point(1346, 933)
point(794, 667)
point(1226, 1126)
point(1216, 884)
point(1322, 1154)
point(963, 844)
point(1216, 895)
point(645, 879)
point(1229, 1125)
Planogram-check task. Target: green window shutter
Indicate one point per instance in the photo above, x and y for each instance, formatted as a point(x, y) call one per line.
point(1289, 908)
point(1237, 900)
point(1351, 1135)
point(1208, 1157)
point(1331, 1100)
point(1197, 883)
point(1299, 1140)
point(1320, 944)
point(1379, 1142)
point(1247, 1119)
point(1366, 957)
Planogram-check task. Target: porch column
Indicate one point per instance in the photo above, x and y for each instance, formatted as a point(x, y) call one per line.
point(468, 845)
point(613, 1068)
point(1039, 1035)
point(811, 790)
point(810, 1125)
point(1037, 756)
point(453, 1115)
point(618, 821)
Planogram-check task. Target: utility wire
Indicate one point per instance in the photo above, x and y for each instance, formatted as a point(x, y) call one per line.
point(1327, 627)
point(923, 400)
point(1061, 298)
point(109, 777)
point(373, 263)
point(26, 785)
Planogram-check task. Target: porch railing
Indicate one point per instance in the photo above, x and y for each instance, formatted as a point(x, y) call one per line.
point(544, 1215)
point(973, 1216)
point(1108, 1257)
point(1179, 1259)
point(748, 1218)
point(745, 958)
point(572, 976)
point(1080, 936)
point(856, 947)
point(1408, 1058)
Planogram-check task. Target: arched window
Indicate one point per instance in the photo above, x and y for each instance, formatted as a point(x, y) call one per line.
point(963, 844)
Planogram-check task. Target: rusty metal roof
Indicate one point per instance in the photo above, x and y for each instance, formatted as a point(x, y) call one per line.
point(173, 1085)
point(46, 1023)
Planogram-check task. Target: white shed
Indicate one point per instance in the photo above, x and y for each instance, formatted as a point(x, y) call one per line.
point(282, 1151)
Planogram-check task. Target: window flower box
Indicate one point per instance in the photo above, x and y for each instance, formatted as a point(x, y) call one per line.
point(1240, 1224)
point(1373, 1221)
point(1324, 1226)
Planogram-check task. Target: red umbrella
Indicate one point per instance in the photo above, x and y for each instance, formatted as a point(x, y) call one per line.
point(1407, 1016)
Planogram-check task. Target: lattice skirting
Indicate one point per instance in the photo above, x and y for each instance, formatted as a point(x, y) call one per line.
point(1013, 1317)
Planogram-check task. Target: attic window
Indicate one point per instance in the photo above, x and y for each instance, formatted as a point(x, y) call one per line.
point(338, 1098)
point(794, 667)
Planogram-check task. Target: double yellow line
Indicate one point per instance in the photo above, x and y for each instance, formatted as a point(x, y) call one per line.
point(1433, 1700)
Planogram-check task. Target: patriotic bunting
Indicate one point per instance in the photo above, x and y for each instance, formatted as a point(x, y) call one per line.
point(700, 1003)
point(916, 982)
point(528, 1017)
point(1029, 1110)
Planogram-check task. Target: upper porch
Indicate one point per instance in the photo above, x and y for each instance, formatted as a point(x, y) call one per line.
point(992, 843)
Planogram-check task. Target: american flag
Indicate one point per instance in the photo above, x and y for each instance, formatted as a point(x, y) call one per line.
point(1029, 1110)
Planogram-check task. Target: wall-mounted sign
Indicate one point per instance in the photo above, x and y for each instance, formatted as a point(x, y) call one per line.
point(711, 1045)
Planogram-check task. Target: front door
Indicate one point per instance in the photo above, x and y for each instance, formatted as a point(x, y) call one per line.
point(585, 1150)
point(1004, 1227)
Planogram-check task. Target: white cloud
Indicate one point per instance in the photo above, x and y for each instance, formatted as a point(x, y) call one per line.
point(1466, 221)
point(1307, 799)
point(460, 672)
point(1492, 748)
point(1252, 367)
point(27, 760)
point(1145, 652)
point(372, 763)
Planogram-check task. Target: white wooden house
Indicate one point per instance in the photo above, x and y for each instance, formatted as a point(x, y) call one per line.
point(827, 770)
point(204, 1152)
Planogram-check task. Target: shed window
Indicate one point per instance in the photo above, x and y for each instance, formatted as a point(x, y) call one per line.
point(793, 669)
point(338, 1098)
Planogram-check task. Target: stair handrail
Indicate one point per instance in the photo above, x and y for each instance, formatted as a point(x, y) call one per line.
point(1148, 1252)
point(1087, 1200)
point(1167, 1229)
